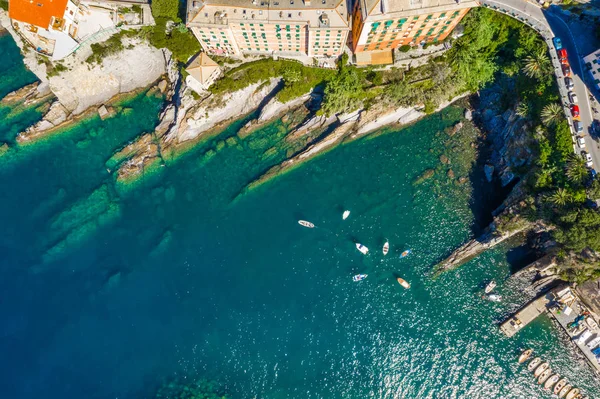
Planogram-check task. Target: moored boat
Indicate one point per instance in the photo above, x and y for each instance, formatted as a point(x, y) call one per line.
point(559, 385)
point(591, 323)
point(359, 277)
point(593, 343)
point(551, 381)
point(534, 363)
point(572, 393)
point(525, 355)
point(405, 253)
point(362, 248)
point(545, 375)
point(386, 248)
point(491, 285)
point(494, 297)
point(345, 215)
point(306, 224)
point(541, 368)
point(403, 283)
point(563, 392)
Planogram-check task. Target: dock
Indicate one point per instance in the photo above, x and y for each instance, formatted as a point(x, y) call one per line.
point(525, 315)
point(564, 306)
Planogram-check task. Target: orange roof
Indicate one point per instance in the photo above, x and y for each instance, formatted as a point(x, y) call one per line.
point(36, 12)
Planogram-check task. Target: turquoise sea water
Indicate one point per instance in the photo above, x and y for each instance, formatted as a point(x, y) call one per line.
point(104, 293)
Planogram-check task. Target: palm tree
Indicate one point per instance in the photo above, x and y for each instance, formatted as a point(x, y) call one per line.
point(552, 114)
point(560, 197)
point(537, 65)
point(523, 110)
point(576, 170)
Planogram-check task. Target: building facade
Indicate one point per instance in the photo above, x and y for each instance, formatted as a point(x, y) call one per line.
point(298, 27)
point(379, 25)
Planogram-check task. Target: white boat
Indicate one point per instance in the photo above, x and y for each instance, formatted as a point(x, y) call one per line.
point(405, 253)
point(494, 297)
point(345, 215)
point(591, 323)
point(534, 363)
point(593, 343)
point(541, 368)
point(359, 277)
point(386, 248)
point(559, 385)
point(551, 381)
point(491, 285)
point(306, 224)
point(583, 337)
point(544, 376)
point(572, 393)
point(403, 283)
point(362, 248)
point(525, 355)
point(563, 392)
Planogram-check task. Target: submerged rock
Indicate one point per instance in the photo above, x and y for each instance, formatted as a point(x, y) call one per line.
point(427, 174)
point(444, 159)
point(450, 173)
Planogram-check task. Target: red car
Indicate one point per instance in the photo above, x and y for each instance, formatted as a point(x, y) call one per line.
point(562, 54)
point(575, 110)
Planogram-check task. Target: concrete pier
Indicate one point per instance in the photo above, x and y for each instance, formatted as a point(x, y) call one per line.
point(525, 315)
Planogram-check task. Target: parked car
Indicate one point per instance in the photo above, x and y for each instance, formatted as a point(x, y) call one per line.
point(577, 126)
point(575, 110)
point(557, 43)
point(581, 141)
point(562, 54)
point(569, 83)
point(588, 159)
point(572, 97)
point(566, 70)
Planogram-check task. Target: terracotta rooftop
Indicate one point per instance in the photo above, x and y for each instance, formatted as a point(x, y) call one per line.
point(202, 67)
point(36, 12)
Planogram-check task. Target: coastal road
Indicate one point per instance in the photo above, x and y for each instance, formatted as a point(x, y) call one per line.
point(549, 25)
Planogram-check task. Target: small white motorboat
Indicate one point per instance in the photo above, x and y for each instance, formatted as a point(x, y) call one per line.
point(359, 277)
point(583, 337)
point(525, 355)
point(403, 283)
point(386, 248)
point(563, 392)
point(593, 343)
point(306, 224)
point(362, 248)
point(551, 381)
point(544, 376)
point(591, 323)
point(345, 215)
point(491, 285)
point(541, 368)
point(534, 363)
point(494, 297)
point(559, 385)
point(573, 393)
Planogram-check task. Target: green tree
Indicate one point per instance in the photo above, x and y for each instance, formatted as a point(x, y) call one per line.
point(576, 170)
point(593, 190)
point(560, 197)
point(166, 9)
point(523, 110)
point(537, 65)
point(551, 114)
point(343, 93)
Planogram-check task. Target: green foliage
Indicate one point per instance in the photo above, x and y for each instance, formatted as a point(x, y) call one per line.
point(537, 65)
point(552, 114)
point(180, 42)
point(344, 92)
point(110, 46)
point(405, 48)
point(576, 170)
point(562, 142)
point(593, 190)
point(580, 228)
point(298, 79)
point(167, 9)
point(4, 5)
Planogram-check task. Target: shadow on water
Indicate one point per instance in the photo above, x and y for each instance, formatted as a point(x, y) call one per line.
point(487, 196)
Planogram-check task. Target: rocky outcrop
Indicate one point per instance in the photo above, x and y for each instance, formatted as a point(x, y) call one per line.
point(56, 116)
point(216, 110)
